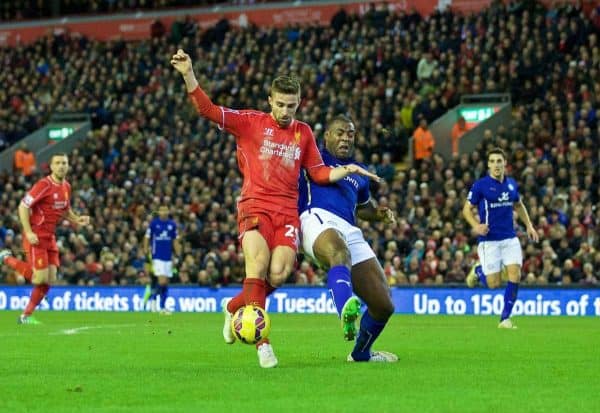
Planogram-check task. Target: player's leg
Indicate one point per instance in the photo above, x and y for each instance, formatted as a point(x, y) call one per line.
point(512, 257)
point(38, 259)
point(22, 267)
point(370, 284)
point(477, 275)
point(163, 271)
point(157, 272)
point(256, 259)
point(163, 293)
point(257, 256)
point(255, 229)
point(40, 289)
point(322, 240)
point(152, 286)
point(331, 250)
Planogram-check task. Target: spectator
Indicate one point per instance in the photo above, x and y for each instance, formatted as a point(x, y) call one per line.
point(458, 130)
point(424, 142)
point(24, 160)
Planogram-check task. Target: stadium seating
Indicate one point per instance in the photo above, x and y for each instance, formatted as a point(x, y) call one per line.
point(148, 145)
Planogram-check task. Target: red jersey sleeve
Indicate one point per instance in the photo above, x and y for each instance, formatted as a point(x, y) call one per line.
point(233, 121)
point(312, 161)
point(37, 192)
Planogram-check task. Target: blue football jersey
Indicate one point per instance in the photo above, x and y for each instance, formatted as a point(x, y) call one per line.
point(495, 202)
point(162, 234)
point(339, 198)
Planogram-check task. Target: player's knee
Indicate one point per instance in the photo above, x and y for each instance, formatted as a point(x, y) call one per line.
point(339, 256)
point(493, 282)
point(40, 277)
point(277, 279)
point(258, 267)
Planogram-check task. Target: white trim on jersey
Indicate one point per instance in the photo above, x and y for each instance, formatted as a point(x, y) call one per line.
point(222, 126)
point(316, 220)
point(308, 190)
point(487, 211)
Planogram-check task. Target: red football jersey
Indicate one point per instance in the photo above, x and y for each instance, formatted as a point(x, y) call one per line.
point(48, 202)
point(269, 157)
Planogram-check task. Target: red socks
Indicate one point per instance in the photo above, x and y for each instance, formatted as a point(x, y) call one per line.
point(21, 267)
point(38, 293)
point(251, 294)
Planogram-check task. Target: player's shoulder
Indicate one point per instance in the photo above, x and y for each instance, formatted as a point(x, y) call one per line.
point(43, 182)
point(246, 112)
point(303, 127)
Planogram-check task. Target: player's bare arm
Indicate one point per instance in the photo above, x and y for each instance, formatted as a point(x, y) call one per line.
point(77, 219)
point(524, 217)
point(24, 218)
point(480, 229)
point(341, 172)
point(370, 211)
point(177, 247)
point(183, 64)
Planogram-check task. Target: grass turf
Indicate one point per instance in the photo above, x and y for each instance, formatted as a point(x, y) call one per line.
point(142, 362)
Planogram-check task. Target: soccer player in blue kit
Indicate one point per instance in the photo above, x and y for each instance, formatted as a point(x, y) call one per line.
point(162, 237)
point(495, 196)
point(331, 237)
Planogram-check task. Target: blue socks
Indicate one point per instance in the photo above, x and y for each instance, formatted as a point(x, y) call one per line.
point(162, 292)
point(481, 276)
point(510, 296)
point(368, 333)
point(340, 286)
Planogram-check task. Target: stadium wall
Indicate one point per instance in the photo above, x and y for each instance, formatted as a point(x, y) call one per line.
point(450, 301)
point(136, 26)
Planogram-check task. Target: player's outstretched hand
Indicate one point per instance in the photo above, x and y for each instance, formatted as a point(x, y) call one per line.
point(533, 234)
point(386, 215)
point(83, 220)
point(355, 169)
point(181, 62)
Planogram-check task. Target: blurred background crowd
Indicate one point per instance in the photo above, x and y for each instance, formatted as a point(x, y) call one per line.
point(390, 72)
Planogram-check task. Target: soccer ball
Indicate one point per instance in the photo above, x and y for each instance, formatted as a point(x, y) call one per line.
point(250, 324)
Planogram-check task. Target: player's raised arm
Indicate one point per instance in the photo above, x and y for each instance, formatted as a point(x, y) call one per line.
point(343, 171)
point(204, 106)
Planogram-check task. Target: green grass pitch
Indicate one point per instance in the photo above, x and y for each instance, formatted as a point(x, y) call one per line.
point(142, 362)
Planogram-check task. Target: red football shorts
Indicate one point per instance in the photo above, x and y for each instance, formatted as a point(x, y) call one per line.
point(276, 229)
point(43, 254)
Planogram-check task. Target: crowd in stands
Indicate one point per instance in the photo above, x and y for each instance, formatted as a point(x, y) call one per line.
point(390, 72)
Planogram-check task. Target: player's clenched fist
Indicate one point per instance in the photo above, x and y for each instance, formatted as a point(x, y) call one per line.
point(181, 62)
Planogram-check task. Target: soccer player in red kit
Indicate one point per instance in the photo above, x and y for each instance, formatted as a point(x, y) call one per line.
point(271, 149)
point(43, 206)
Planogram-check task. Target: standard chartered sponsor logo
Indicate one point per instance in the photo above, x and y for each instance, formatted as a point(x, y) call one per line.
point(291, 151)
